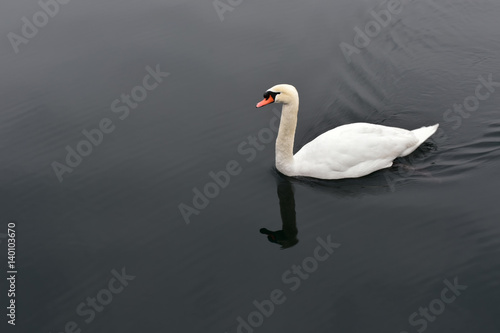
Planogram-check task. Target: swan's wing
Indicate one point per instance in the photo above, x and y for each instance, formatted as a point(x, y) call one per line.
point(355, 149)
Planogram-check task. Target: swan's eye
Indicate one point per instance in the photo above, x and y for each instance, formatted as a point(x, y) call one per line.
point(270, 94)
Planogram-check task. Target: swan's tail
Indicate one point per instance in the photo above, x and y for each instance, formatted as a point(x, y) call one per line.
point(423, 133)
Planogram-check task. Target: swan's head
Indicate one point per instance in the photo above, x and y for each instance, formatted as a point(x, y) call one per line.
point(280, 93)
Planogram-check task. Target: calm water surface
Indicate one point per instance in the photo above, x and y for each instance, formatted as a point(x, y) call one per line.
point(104, 246)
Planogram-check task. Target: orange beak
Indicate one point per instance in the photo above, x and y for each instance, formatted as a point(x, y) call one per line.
point(265, 102)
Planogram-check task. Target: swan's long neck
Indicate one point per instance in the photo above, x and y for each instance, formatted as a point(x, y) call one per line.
point(286, 136)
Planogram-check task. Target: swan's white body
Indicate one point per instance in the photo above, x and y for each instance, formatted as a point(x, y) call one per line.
point(348, 151)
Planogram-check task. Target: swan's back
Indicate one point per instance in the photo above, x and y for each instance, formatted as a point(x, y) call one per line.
point(354, 150)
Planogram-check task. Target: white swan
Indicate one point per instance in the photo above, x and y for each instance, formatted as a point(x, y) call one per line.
point(348, 151)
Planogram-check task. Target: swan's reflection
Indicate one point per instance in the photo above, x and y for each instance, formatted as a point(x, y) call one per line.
point(287, 236)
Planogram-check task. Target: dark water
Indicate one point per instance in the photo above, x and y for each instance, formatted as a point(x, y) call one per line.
point(400, 237)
